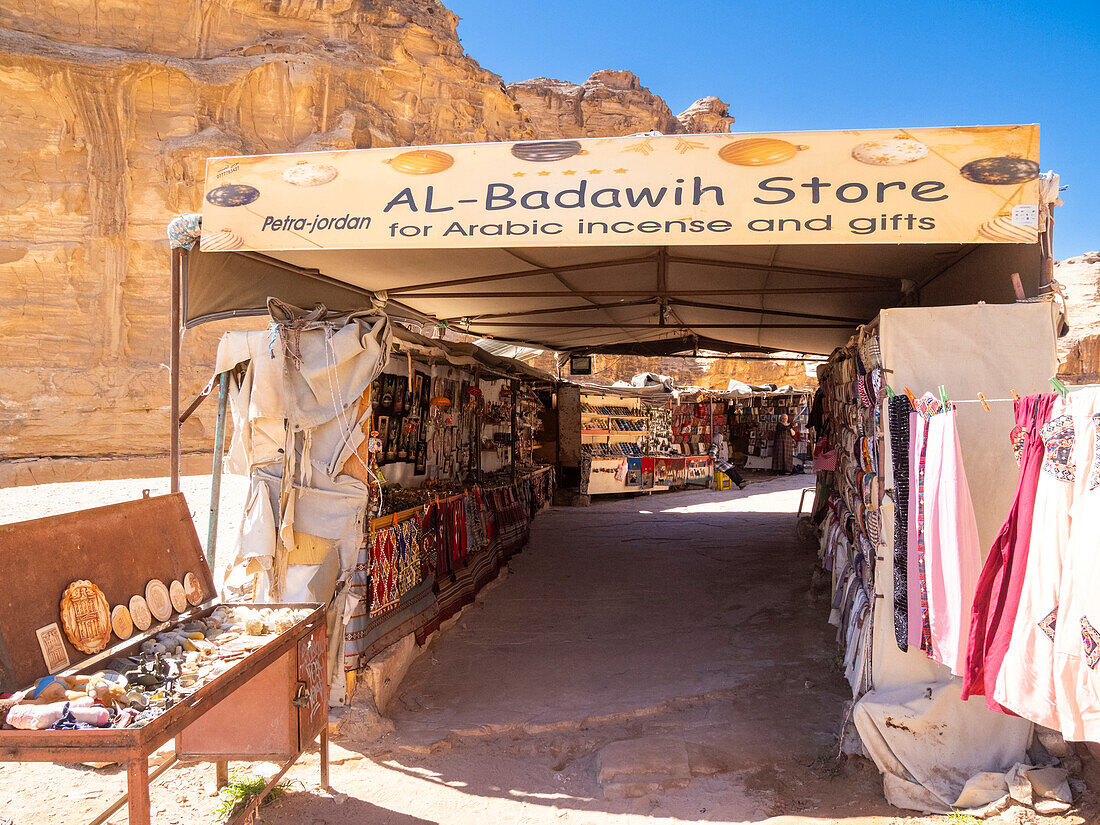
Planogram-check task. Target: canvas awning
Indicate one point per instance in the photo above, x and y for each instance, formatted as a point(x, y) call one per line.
point(661, 244)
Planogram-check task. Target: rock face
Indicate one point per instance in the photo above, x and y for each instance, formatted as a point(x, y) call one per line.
point(108, 112)
point(612, 103)
point(1079, 351)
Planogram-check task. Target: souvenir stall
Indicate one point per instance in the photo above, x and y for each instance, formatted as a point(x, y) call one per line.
point(512, 241)
point(107, 661)
point(614, 440)
point(364, 417)
point(919, 474)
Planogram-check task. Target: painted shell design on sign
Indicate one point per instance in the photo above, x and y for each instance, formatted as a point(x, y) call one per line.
point(1002, 171)
point(1002, 229)
point(421, 162)
point(759, 151)
point(86, 616)
point(547, 151)
point(232, 194)
point(222, 241)
point(890, 152)
point(310, 174)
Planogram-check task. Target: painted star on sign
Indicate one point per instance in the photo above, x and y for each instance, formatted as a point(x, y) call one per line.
point(569, 172)
point(543, 174)
point(518, 174)
point(620, 171)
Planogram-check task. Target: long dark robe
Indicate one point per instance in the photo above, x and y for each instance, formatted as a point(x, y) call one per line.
point(783, 449)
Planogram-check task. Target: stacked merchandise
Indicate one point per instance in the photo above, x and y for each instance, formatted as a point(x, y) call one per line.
point(1034, 643)
point(850, 534)
point(610, 430)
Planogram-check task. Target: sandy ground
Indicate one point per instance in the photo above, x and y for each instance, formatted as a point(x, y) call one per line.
point(680, 624)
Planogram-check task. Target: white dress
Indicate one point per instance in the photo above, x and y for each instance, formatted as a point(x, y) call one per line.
point(1077, 636)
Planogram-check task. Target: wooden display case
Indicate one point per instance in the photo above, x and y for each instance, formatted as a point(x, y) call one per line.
point(269, 705)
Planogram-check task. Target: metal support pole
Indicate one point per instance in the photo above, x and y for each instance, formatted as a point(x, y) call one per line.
point(216, 476)
point(174, 370)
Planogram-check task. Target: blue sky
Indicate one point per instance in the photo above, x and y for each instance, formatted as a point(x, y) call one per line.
point(785, 66)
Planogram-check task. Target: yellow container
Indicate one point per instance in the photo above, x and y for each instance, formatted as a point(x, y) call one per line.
point(721, 480)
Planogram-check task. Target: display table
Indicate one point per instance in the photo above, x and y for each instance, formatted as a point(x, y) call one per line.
point(270, 704)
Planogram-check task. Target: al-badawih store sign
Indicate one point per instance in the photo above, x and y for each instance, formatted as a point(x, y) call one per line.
point(941, 185)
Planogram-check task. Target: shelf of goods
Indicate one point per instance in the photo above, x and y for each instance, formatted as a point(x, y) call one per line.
point(227, 682)
point(615, 437)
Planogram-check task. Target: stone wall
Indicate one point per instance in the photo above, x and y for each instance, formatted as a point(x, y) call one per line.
point(108, 111)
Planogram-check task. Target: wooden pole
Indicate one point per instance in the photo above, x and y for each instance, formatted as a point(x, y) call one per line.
point(216, 476)
point(174, 372)
point(137, 787)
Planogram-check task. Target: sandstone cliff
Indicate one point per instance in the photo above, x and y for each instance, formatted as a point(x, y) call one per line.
point(107, 114)
point(1079, 351)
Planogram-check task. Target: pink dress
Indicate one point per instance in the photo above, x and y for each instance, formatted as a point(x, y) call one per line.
point(1025, 684)
point(953, 556)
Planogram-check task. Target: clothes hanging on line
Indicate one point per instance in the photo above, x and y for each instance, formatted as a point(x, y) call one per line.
point(937, 551)
point(997, 596)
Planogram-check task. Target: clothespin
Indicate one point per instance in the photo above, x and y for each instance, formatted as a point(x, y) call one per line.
point(943, 397)
point(1059, 387)
point(985, 404)
point(1015, 395)
point(912, 398)
point(890, 391)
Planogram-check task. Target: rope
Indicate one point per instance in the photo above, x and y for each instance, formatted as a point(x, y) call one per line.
point(291, 334)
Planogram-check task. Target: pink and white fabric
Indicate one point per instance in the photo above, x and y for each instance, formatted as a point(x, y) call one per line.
point(953, 556)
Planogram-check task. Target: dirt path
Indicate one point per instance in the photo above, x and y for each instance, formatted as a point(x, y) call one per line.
point(678, 626)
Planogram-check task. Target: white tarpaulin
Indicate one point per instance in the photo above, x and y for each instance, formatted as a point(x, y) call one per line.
point(295, 392)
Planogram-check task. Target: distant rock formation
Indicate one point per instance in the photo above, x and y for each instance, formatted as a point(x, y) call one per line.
point(611, 103)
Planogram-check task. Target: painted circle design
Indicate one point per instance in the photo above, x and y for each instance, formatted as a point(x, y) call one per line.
point(232, 194)
point(421, 162)
point(546, 151)
point(1002, 171)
